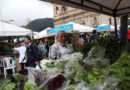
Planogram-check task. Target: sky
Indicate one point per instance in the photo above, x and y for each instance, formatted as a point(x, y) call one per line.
point(20, 12)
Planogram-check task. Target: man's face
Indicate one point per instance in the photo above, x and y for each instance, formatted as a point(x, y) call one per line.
point(27, 41)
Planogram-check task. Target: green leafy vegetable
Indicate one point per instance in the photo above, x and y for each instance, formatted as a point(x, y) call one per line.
point(50, 64)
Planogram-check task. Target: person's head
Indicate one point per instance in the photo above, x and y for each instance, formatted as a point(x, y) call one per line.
point(94, 31)
point(27, 40)
point(87, 35)
point(40, 41)
point(99, 33)
point(61, 36)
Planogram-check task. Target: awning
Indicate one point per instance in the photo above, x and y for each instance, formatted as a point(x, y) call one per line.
point(71, 26)
point(81, 28)
point(67, 28)
point(7, 30)
point(109, 7)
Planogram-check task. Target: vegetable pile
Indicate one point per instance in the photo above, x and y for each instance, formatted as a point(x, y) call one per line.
point(14, 82)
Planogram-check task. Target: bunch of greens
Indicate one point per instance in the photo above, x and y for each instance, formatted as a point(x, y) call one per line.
point(50, 64)
point(61, 64)
point(96, 58)
point(112, 47)
point(85, 48)
point(121, 68)
point(14, 82)
point(71, 87)
point(94, 76)
point(78, 74)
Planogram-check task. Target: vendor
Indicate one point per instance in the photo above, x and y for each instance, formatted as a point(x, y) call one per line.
point(22, 59)
point(59, 48)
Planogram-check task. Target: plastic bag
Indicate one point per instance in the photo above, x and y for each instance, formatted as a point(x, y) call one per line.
point(37, 77)
point(96, 58)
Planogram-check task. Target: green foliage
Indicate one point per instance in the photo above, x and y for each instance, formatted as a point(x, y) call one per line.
point(78, 74)
point(50, 64)
point(85, 48)
point(30, 87)
point(14, 82)
point(4, 83)
point(71, 87)
point(121, 68)
point(94, 76)
point(61, 64)
point(112, 47)
point(10, 86)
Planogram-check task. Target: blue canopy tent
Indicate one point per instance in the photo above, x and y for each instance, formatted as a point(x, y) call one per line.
point(103, 28)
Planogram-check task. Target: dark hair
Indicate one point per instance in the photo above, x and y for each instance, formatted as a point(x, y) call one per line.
point(94, 31)
point(99, 33)
point(28, 38)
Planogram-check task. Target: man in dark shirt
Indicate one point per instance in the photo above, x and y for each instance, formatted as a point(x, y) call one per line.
point(94, 35)
point(31, 53)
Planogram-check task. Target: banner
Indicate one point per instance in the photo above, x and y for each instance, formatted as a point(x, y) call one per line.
point(103, 27)
point(67, 27)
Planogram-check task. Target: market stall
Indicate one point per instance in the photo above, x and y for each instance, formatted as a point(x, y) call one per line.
point(100, 65)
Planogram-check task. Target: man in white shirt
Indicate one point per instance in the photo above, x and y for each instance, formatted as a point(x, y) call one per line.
point(22, 60)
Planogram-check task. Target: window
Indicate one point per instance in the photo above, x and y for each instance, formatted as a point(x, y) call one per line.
point(95, 20)
point(57, 10)
point(110, 21)
point(64, 9)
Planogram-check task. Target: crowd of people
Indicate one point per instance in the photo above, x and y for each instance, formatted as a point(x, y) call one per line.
point(31, 54)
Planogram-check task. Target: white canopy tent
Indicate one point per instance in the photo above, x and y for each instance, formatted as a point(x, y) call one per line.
point(43, 33)
point(104, 24)
point(36, 35)
point(12, 30)
point(81, 28)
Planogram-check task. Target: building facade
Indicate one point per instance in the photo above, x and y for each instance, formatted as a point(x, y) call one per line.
point(64, 15)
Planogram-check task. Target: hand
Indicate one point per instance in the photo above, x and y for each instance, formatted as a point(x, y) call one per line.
point(36, 62)
point(22, 61)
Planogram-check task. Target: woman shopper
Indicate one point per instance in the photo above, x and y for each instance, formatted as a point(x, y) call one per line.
point(42, 48)
point(60, 47)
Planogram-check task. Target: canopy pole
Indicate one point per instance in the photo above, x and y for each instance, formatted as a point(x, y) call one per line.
point(115, 22)
point(124, 29)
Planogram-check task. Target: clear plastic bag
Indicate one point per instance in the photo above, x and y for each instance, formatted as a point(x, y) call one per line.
point(96, 59)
